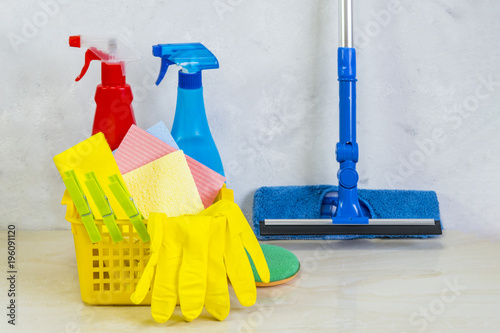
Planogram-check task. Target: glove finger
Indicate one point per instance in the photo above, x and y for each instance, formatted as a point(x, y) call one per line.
point(255, 251)
point(239, 271)
point(217, 297)
point(155, 229)
point(238, 222)
point(164, 296)
point(193, 271)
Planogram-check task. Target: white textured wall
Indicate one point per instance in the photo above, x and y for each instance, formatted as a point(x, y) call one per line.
point(423, 95)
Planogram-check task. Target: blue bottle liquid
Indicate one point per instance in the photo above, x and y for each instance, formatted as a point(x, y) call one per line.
point(190, 128)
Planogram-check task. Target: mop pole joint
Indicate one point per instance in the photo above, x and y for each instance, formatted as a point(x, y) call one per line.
point(347, 153)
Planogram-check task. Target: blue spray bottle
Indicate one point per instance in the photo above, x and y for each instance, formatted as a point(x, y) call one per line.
point(190, 128)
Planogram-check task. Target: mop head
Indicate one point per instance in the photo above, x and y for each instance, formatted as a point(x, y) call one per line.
point(305, 202)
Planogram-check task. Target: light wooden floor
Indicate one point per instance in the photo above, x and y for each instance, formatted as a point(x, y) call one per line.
point(448, 284)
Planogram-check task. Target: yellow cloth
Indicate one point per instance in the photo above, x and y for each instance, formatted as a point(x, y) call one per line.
point(92, 154)
point(164, 186)
point(192, 255)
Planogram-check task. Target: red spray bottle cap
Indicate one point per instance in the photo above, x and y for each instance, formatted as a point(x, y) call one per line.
point(112, 52)
point(111, 73)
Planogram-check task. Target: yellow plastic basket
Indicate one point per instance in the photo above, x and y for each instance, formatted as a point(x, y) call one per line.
point(108, 272)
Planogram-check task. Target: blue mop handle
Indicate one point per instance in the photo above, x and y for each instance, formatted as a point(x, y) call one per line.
point(347, 97)
point(348, 209)
point(347, 77)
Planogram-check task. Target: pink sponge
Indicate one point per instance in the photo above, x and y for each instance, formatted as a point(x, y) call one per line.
point(139, 148)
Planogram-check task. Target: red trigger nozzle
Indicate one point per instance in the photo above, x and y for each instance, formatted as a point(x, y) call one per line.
point(74, 41)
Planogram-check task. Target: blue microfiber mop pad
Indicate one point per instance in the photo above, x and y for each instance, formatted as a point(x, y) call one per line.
point(161, 131)
point(304, 202)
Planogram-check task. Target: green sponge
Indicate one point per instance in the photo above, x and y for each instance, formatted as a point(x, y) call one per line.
point(283, 265)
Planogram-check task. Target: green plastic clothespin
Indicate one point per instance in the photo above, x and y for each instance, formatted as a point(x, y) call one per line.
point(102, 203)
point(123, 196)
point(82, 205)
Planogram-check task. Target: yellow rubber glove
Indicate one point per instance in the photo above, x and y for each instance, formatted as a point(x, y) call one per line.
point(193, 271)
point(192, 259)
point(217, 297)
point(155, 230)
point(181, 266)
point(240, 237)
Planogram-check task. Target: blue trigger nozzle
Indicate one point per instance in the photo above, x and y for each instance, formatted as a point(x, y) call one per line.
point(163, 69)
point(192, 57)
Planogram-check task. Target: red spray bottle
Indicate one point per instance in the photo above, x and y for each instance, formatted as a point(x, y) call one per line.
point(114, 114)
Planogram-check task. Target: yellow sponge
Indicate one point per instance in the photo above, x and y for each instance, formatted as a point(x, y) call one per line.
point(164, 186)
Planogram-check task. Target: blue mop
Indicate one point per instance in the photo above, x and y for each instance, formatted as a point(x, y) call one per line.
point(343, 212)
